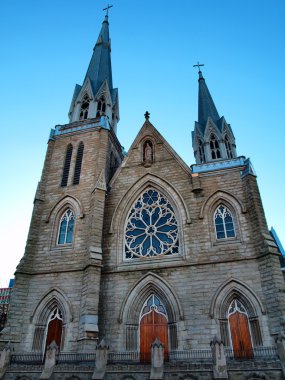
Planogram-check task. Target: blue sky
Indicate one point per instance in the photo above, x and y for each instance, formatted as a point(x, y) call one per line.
point(46, 48)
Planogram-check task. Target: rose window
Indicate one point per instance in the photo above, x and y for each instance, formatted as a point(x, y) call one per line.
point(151, 228)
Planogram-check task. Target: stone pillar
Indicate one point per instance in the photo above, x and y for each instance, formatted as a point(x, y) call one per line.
point(157, 360)
point(5, 356)
point(219, 359)
point(50, 361)
point(101, 361)
point(280, 344)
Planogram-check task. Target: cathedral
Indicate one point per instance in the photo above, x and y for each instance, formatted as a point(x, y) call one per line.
point(138, 266)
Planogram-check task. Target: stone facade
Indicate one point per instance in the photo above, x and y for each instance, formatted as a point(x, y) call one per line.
point(97, 291)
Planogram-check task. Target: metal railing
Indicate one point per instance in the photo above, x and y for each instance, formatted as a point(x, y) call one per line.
point(32, 358)
point(70, 357)
point(179, 355)
point(123, 356)
point(253, 353)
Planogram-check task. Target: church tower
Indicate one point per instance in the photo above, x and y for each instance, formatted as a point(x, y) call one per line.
point(57, 286)
point(213, 138)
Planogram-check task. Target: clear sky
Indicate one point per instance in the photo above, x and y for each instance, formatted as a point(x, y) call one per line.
point(46, 47)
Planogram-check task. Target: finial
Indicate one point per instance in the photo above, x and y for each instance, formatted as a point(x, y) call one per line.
point(107, 9)
point(199, 65)
point(146, 115)
point(199, 72)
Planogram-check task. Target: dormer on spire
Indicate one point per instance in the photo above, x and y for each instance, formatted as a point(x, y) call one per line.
point(212, 138)
point(97, 86)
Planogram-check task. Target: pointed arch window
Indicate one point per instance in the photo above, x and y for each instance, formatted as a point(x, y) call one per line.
point(66, 166)
point(224, 224)
point(66, 227)
point(228, 147)
point(201, 151)
point(101, 108)
point(151, 228)
point(78, 163)
point(214, 147)
point(84, 107)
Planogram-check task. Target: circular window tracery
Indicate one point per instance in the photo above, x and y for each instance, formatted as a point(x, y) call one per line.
point(151, 228)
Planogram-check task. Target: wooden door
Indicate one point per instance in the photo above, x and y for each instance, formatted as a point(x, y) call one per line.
point(240, 334)
point(54, 332)
point(153, 325)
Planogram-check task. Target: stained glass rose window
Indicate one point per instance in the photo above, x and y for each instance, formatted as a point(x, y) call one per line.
point(151, 228)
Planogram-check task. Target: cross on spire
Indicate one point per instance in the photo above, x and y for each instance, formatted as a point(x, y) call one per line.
point(107, 9)
point(199, 65)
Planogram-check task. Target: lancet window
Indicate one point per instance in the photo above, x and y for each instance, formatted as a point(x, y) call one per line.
point(101, 108)
point(228, 147)
point(151, 228)
point(201, 151)
point(224, 223)
point(84, 107)
point(66, 166)
point(214, 147)
point(66, 227)
point(78, 163)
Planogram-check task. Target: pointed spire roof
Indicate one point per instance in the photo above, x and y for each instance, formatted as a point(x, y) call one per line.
point(206, 105)
point(100, 68)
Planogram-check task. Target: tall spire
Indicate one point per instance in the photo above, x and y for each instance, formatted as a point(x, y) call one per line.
point(100, 68)
point(97, 97)
point(206, 105)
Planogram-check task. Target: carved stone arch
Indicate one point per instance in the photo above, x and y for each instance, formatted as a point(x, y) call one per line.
point(53, 297)
point(104, 92)
point(211, 128)
point(137, 188)
point(62, 204)
point(85, 89)
point(227, 132)
point(230, 289)
point(141, 290)
point(221, 196)
point(54, 302)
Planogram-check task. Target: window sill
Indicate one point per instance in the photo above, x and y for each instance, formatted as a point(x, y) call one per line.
point(226, 241)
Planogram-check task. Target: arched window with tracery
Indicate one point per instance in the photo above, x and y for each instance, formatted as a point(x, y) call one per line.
point(214, 147)
point(153, 324)
point(151, 228)
point(66, 227)
point(78, 163)
point(228, 147)
point(84, 107)
point(66, 165)
point(201, 151)
point(224, 224)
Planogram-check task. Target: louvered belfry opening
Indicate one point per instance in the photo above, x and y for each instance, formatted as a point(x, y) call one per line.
point(77, 170)
point(66, 165)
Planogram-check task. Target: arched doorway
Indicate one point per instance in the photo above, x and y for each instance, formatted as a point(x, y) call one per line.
point(153, 324)
point(239, 330)
point(54, 328)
